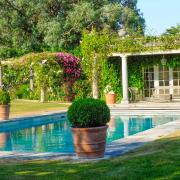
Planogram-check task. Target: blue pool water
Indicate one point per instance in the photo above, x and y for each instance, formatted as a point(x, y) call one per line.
point(53, 134)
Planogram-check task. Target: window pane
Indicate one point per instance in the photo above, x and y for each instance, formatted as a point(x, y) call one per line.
point(160, 68)
point(146, 93)
point(175, 82)
point(152, 92)
point(151, 84)
point(146, 70)
point(151, 76)
point(175, 92)
point(151, 69)
point(161, 91)
point(175, 75)
point(166, 68)
point(160, 76)
point(161, 83)
point(166, 83)
point(166, 91)
point(145, 76)
point(166, 76)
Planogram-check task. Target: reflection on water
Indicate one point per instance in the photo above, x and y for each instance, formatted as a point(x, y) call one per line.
point(46, 138)
point(56, 137)
point(124, 126)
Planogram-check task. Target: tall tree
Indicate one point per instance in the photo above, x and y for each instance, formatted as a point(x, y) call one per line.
point(132, 19)
point(32, 25)
point(174, 30)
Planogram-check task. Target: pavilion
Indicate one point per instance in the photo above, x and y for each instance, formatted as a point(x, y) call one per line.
point(160, 80)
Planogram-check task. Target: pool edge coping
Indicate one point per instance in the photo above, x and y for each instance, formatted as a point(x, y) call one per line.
point(21, 118)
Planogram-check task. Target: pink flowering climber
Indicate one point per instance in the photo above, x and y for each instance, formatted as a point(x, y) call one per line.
point(71, 67)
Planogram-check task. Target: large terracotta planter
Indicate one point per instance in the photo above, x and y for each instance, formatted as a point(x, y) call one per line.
point(110, 98)
point(4, 112)
point(89, 143)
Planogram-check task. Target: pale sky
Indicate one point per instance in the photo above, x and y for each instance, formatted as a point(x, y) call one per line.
point(159, 14)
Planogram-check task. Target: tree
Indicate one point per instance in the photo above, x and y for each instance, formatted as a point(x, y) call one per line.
point(31, 25)
point(132, 20)
point(174, 30)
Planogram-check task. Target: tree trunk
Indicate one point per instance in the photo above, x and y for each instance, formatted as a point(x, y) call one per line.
point(43, 93)
point(1, 83)
point(31, 80)
point(95, 89)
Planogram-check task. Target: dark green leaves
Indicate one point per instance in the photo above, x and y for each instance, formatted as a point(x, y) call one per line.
point(88, 113)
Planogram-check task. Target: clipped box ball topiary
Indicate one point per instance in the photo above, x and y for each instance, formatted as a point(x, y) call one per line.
point(4, 97)
point(85, 113)
point(88, 118)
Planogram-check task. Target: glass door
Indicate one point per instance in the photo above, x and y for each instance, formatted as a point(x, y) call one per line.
point(164, 88)
point(148, 81)
point(176, 81)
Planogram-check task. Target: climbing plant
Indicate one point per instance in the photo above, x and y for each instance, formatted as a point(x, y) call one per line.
point(49, 75)
point(134, 43)
point(95, 48)
point(71, 71)
point(111, 75)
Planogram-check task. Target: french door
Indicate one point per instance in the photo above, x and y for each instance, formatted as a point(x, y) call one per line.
point(161, 80)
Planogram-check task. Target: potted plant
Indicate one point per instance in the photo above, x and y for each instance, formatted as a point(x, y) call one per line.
point(4, 104)
point(110, 95)
point(88, 118)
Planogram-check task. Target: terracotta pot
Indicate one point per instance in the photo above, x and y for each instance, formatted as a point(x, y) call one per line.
point(110, 98)
point(89, 143)
point(4, 112)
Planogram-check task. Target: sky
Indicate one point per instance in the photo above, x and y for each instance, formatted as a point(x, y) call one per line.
point(159, 14)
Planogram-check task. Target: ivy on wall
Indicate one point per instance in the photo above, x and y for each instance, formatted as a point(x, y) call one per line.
point(111, 75)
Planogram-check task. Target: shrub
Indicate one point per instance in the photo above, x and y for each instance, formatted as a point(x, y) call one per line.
point(85, 113)
point(23, 92)
point(82, 88)
point(4, 97)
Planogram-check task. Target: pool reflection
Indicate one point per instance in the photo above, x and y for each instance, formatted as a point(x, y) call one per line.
point(125, 126)
point(47, 138)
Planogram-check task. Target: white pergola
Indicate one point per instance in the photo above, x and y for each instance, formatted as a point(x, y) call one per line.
point(124, 59)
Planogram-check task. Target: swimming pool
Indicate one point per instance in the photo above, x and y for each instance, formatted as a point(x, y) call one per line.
point(52, 133)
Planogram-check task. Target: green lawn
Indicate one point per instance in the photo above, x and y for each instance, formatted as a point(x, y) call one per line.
point(157, 160)
point(20, 107)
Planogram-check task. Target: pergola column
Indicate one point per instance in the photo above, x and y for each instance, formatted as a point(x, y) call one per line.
point(125, 99)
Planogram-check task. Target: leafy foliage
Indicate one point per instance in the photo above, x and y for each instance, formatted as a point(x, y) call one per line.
point(93, 45)
point(35, 26)
point(4, 97)
point(48, 74)
point(111, 75)
point(86, 113)
point(82, 88)
point(70, 65)
point(174, 30)
point(135, 43)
